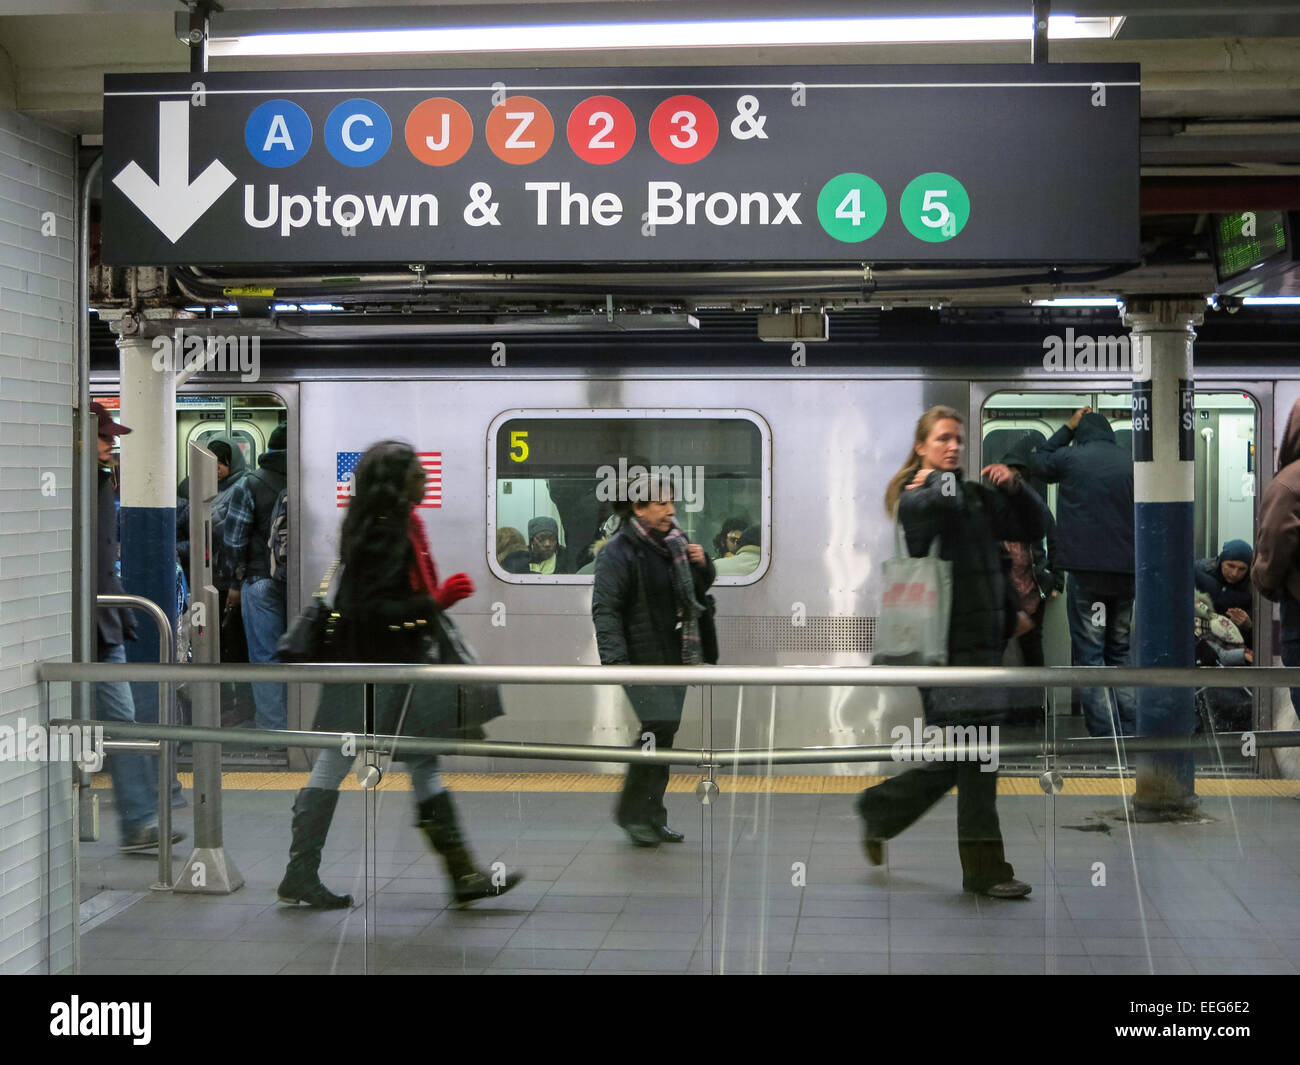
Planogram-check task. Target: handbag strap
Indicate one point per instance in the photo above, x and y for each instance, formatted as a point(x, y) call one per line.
point(900, 543)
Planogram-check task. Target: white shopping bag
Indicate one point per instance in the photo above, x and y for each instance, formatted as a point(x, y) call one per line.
point(912, 629)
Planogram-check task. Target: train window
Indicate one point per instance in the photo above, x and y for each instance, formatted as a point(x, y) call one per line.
point(557, 476)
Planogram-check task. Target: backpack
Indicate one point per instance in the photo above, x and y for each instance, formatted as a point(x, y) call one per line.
point(277, 543)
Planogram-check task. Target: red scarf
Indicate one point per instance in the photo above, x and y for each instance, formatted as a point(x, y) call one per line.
point(424, 574)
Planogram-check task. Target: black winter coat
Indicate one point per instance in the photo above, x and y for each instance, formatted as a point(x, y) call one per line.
point(1208, 575)
point(631, 629)
point(971, 524)
point(388, 623)
point(1094, 510)
point(634, 609)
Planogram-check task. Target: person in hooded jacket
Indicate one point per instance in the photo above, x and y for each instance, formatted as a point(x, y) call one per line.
point(931, 499)
point(1276, 572)
point(1225, 578)
point(647, 602)
point(1094, 521)
point(388, 598)
point(258, 595)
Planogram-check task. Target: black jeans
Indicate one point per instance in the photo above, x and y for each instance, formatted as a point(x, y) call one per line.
point(896, 803)
point(893, 805)
point(660, 713)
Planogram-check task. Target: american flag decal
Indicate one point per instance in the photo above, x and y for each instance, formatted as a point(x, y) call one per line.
point(345, 473)
point(432, 463)
point(345, 468)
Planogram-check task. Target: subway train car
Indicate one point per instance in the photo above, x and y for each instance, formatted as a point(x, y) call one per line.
point(803, 452)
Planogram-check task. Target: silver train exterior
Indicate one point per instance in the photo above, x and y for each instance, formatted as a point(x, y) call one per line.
point(831, 440)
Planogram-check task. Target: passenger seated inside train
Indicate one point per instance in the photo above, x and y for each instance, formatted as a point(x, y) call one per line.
point(607, 530)
point(747, 556)
point(545, 552)
point(1226, 580)
point(727, 542)
point(511, 543)
point(1223, 628)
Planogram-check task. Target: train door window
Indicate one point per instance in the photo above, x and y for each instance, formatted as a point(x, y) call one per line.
point(556, 477)
point(1226, 479)
point(246, 421)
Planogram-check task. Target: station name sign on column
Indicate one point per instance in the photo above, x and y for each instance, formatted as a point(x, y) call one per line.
point(960, 164)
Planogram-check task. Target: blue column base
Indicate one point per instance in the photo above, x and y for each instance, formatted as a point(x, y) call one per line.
point(1166, 780)
point(149, 569)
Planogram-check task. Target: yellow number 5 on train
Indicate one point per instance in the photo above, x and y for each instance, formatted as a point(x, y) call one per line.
point(518, 439)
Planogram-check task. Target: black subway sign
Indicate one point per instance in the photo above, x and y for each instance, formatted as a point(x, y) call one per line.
point(729, 164)
point(1142, 426)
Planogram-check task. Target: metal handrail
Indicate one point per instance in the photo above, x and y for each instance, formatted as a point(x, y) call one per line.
point(702, 756)
point(167, 657)
point(775, 676)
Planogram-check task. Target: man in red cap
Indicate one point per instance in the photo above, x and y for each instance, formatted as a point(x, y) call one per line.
point(135, 776)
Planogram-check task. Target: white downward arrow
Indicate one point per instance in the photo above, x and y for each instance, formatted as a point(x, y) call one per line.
point(173, 203)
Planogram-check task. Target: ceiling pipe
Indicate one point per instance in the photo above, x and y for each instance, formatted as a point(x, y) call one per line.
point(1174, 196)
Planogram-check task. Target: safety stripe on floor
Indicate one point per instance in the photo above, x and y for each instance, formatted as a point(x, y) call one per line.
point(741, 785)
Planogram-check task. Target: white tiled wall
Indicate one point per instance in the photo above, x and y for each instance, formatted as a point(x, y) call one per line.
point(37, 193)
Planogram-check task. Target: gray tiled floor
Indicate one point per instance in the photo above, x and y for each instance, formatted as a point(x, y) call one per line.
point(777, 887)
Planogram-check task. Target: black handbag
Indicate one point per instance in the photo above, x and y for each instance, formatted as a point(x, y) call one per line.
point(314, 633)
point(709, 631)
point(475, 704)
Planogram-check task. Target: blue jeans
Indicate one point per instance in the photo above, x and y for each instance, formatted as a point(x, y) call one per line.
point(135, 776)
point(1101, 638)
point(1291, 640)
point(333, 765)
point(262, 602)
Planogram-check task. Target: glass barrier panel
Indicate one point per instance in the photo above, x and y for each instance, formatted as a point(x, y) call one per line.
point(569, 888)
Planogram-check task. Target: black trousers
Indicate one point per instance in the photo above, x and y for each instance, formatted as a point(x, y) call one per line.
point(660, 712)
point(893, 805)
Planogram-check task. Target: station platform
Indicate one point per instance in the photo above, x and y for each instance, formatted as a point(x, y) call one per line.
point(771, 879)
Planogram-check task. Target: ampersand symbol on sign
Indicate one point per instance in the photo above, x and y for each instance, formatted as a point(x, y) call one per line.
point(748, 123)
point(481, 211)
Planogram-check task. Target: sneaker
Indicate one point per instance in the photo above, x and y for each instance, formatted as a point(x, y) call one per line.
point(145, 839)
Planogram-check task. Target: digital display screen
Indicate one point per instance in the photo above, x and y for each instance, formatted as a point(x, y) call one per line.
point(1248, 238)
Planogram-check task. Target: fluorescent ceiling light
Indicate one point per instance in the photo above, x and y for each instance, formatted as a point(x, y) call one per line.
point(1080, 301)
point(1271, 301)
point(701, 34)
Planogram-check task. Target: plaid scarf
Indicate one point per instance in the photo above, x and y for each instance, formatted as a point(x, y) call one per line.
point(673, 546)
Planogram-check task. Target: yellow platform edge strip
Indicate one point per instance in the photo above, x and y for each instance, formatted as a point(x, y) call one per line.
point(595, 783)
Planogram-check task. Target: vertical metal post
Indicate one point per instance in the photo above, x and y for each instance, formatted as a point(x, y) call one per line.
point(198, 38)
point(85, 486)
point(1042, 12)
point(209, 871)
point(1164, 452)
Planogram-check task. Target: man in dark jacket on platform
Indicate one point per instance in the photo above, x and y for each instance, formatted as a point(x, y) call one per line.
point(1094, 519)
point(135, 776)
point(648, 604)
point(260, 595)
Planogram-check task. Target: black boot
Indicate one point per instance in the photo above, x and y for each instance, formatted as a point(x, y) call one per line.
point(313, 810)
point(439, 824)
point(633, 812)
